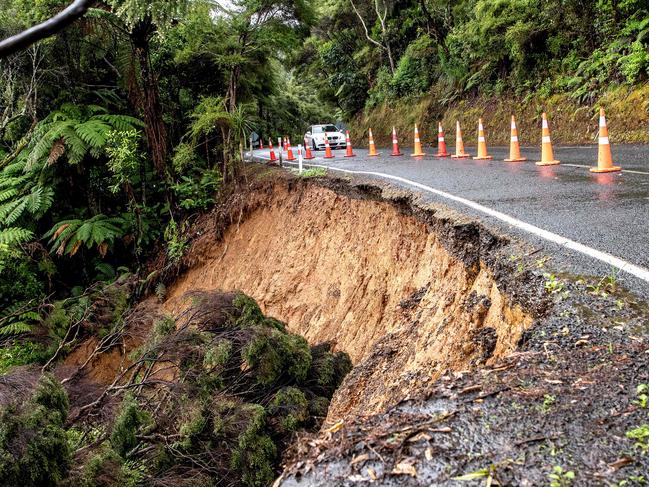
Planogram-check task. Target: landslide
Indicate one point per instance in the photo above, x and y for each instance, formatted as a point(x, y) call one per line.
point(409, 291)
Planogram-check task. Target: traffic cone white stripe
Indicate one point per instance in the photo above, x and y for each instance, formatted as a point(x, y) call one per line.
point(514, 138)
point(546, 139)
point(603, 140)
point(441, 139)
point(481, 139)
point(545, 124)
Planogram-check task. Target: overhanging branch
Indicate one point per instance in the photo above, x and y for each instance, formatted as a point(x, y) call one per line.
point(15, 43)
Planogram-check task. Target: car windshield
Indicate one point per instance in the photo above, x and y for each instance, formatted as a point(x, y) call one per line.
point(318, 129)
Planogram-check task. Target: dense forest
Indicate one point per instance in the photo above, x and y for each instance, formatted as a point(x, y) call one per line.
point(118, 131)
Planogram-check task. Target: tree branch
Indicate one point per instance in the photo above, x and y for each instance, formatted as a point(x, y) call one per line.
point(367, 34)
point(74, 11)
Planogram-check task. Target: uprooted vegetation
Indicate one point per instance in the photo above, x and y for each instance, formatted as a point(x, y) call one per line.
point(212, 395)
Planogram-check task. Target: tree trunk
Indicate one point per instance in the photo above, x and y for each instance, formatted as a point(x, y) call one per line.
point(154, 126)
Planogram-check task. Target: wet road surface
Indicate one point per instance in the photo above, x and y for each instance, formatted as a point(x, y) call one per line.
point(606, 212)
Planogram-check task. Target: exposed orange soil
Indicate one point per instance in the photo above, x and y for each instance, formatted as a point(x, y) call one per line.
point(344, 270)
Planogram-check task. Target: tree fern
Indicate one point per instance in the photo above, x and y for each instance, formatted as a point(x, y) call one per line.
point(67, 236)
point(82, 129)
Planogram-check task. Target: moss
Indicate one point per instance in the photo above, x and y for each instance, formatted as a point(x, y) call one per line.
point(290, 409)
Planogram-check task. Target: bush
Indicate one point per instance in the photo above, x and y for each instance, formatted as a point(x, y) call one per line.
point(34, 450)
point(290, 408)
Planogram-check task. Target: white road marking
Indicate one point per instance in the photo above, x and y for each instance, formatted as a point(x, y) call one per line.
point(623, 265)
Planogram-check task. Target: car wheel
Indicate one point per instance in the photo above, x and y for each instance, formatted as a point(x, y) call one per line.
point(313, 145)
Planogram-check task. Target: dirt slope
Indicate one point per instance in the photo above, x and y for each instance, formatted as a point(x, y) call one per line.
point(341, 265)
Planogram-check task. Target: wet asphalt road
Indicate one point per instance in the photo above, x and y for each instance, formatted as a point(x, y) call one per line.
point(607, 212)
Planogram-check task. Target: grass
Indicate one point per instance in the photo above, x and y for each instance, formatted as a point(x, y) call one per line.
point(314, 172)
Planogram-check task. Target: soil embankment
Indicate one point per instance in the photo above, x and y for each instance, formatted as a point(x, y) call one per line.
point(406, 292)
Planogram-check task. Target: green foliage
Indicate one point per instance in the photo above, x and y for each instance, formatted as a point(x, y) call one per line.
point(196, 192)
point(125, 158)
point(76, 131)
point(561, 478)
point(33, 445)
point(176, 241)
point(21, 353)
point(67, 236)
point(291, 408)
point(128, 423)
point(273, 353)
point(17, 319)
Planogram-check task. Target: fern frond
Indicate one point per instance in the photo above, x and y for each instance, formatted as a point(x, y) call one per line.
point(7, 208)
point(15, 235)
point(8, 193)
point(93, 132)
point(15, 328)
point(121, 122)
point(16, 213)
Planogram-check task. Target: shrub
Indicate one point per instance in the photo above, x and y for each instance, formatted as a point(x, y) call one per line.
point(130, 420)
point(34, 450)
point(290, 408)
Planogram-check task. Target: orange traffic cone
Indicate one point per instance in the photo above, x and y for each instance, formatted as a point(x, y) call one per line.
point(261, 143)
point(459, 144)
point(307, 151)
point(348, 143)
point(395, 144)
point(441, 142)
point(514, 146)
point(482, 144)
point(289, 151)
point(604, 159)
point(547, 156)
point(372, 152)
point(418, 151)
point(272, 152)
point(328, 154)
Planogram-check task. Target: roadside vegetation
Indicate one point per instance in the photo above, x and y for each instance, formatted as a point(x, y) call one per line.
point(386, 63)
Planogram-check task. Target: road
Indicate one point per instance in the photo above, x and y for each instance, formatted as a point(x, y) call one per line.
point(603, 216)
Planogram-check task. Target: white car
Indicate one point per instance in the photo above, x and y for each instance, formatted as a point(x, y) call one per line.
point(315, 136)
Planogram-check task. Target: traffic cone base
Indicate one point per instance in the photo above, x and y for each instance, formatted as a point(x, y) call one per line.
point(548, 163)
point(519, 159)
point(460, 156)
point(605, 169)
point(445, 154)
point(483, 158)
